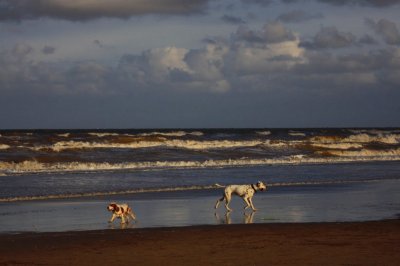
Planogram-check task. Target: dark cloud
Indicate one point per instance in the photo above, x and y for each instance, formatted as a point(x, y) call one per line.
point(232, 76)
point(296, 16)
point(272, 32)
point(375, 3)
point(232, 19)
point(80, 10)
point(367, 40)
point(258, 2)
point(386, 29)
point(48, 50)
point(242, 62)
point(330, 37)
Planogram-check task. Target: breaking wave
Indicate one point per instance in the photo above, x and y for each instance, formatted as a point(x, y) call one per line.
point(4, 146)
point(158, 142)
point(358, 138)
point(339, 157)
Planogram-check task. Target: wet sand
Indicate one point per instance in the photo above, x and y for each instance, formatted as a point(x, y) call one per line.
point(352, 243)
point(368, 201)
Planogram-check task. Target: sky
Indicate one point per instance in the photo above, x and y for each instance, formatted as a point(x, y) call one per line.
point(199, 63)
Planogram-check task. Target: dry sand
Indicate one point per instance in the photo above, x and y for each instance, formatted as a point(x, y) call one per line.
point(360, 243)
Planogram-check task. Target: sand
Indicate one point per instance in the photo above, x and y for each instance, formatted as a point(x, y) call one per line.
point(353, 243)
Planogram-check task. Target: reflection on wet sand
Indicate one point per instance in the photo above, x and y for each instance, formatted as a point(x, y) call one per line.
point(247, 218)
point(129, 225)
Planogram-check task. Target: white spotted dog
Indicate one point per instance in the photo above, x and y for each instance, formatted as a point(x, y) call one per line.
point(121, 211)
point(246, 192)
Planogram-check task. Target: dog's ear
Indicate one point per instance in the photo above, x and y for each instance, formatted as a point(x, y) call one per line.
point(258, 183)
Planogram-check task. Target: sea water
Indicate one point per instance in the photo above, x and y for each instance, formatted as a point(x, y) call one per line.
point(43, 166)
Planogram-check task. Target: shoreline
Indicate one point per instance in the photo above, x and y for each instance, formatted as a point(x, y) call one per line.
point(334, 203)
point(355, 243)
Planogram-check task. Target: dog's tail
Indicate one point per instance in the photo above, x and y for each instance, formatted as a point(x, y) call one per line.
point(218, 185)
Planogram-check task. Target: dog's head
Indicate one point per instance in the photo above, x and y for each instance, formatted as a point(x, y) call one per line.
point(261, 186)
point(112, 207)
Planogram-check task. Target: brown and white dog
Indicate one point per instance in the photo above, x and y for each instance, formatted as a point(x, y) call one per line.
point(121, 211)
point(246, 192)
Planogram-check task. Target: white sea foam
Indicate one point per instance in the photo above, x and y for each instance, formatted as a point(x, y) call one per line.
point(172, 134)
point(264, 133)
point(65, 135)
point(338, 146)
point(341, 157)
point(296, 133)
point(367, 153)
point(175, 143)
point(374, 131)
point(365, 138)
point(102, 134)
point(4, 146)
point(358, 138)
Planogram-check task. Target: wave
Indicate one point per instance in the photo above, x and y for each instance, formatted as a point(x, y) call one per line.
point(135, 143)
point(102, 134)
point(173, 133)
point(4, 146)
point(172, 189)
point(358, 138)
point(339, 157)
point(366, 153)
point(65, 135)
point(264, 133)
point(296, 134)
point(374, 131)
point(340, 146)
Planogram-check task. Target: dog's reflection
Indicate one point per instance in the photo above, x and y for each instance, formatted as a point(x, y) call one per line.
point(247, 218)
point(122, 226)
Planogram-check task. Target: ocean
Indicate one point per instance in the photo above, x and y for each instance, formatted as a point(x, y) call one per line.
point(45, 171)
point(44, 164)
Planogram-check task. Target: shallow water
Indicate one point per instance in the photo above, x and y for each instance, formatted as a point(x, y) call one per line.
point(375, 200)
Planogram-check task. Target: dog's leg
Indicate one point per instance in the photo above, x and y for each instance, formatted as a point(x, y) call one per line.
point(228, 219)
point(227, 200)
point(132, 214)
point(246, 200)
point(126, 215)
point(252, 205)
point(218, 201)
point(112, 218)
point(122, 218)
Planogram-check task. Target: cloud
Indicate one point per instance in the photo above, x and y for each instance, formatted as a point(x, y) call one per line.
point(258, 2)
point(374, 3)
point(330, 37)
point(377, 3)
point(386, 29)
point(232, 19)
point(368, 40)
point(81, 10)
point(296, 16)
point(274, 61)
point(48, 50)
point(272, 32)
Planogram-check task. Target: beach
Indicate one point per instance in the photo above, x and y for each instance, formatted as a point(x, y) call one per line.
point(353, 243)
point(341, 224)
point(319, 208)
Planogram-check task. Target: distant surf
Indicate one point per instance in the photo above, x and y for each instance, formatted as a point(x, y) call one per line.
point(51, 164)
